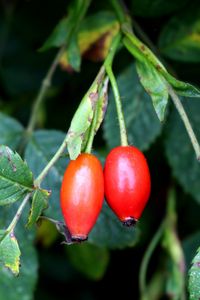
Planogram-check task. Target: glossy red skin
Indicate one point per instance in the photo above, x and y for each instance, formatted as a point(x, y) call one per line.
point(127, 182)
point(82, 194)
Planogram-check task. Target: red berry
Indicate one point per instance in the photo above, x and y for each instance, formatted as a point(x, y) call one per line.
point(127, 183)
point(82, 194)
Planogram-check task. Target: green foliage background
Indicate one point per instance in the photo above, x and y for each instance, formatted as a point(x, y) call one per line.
point(112, 257)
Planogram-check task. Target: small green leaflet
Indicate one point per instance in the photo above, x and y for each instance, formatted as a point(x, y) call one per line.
point(10, 252)
point(154, 84)
point(194, 277)
point(16, 178)
point(83, 117)
point(39, 203)
point(67, 27)
point(182, 88)
point(58, 36)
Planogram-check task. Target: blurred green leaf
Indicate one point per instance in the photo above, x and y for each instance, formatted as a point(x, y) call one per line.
point(96, 29)
point(142, 124)
point(66, 28)
point(74, 55)
point(155, 86)
point(10, 131)
point(39, 203)
point(179, 150)
point(88, 259)
point(10, 252)
point(41, 148)
point(59, 35)
point(21, 287)
point(175, 283)
point(154, 8)
point(194, 275)
point(16, 177)
point(108, 232)
point(180, 38)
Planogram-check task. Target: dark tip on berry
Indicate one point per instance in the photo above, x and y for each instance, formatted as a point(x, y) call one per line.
point(79, 239)
point(129, 222)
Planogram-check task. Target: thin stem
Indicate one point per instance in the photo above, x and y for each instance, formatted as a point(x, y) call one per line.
point(185, 120)
point(108, 66)
point(43, 90)
point(18, 213)
point(50, 164)
point(146, 259)
point(119, 9)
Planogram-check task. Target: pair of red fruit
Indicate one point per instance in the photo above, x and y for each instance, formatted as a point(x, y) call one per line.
point(125, 182)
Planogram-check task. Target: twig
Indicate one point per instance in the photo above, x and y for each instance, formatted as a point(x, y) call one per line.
point(46, 83)
point(18, 213)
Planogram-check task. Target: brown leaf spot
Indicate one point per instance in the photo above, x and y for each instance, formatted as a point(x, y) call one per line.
point(93, 97)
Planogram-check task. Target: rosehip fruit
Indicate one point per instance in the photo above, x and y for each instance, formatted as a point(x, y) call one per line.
point(127, 183)
point(82, 194)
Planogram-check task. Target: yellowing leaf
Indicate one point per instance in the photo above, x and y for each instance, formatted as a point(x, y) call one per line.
point(101, 28)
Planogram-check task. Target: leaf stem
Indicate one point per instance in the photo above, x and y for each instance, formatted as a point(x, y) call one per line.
point(119, 9)
point(146, 259)
point(185, 120)
point(18, 213)
point(108, 66)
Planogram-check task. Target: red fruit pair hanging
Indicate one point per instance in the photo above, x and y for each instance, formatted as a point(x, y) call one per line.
point(125, 182)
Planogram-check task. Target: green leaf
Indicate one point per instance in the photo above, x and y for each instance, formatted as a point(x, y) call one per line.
point(23, 286)
point(109, 232)
point(155, 86)
point(59, 35)
point(144, 55)
point(98, 27)
point(10, 131)
point(153, 8)
point(41, 148)
point(194, 275)
point(10, 252)
point(73, 54)
point(179, 150)
point(67, 27)
point(83, 116)
point(182, 88)
point(16, 177)
point(142, 124)
point(88, 259)
point(180, 38)
point(39, 203)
